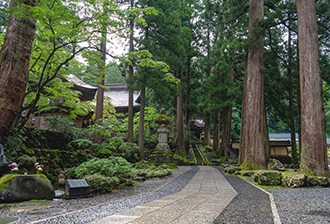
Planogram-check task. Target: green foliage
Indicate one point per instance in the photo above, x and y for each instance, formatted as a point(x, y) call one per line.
point(66, 127)
point(145, 170)
point(184, 160)
point(129, 151)
point(113, 166)
point(26, 163)
point(105, 174)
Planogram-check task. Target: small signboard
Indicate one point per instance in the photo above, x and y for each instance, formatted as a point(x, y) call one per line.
point(77, 188)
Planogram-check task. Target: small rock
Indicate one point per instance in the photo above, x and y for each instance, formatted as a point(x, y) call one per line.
point(295, 180)
point(268, 177)
point(274, 164)
point(247, 173)
point(317, 181)
point(231, 169)
point(59, 193)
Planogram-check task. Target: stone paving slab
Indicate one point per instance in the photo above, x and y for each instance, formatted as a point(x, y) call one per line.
point(200, 201)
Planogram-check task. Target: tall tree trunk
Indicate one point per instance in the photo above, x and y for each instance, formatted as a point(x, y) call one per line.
point(100, 90)
point(141, 124)
point(14, 66)
point(188, 119)
point(179, 120)
point(313, 139)
point(291, 110)
point(255, 140)
point(130, 80)
point(207, 129)
point(227, 113)
point(174, 107)
point(243, 133)
point(216, 133)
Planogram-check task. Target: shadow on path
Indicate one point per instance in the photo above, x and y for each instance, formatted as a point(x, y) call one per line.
point(249, 206)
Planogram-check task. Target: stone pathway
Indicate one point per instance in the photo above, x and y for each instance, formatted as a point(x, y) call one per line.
point(200, 201)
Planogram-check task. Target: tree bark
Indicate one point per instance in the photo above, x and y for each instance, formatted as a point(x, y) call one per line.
point(188, 119)
point(254, 141)
point(141, 123)
point(130, 89)
point(179, 121)
point(216, 133)
point(14, 66)
point(291, 105)
point(100, 90)
point(313, 139)
point(207, 129)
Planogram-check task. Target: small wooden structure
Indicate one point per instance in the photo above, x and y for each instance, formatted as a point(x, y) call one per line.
point(118, 95)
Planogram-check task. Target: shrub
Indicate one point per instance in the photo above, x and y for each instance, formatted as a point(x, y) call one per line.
point(141, 171)
point(129, 151)
point(116, 168)
point(102, 184)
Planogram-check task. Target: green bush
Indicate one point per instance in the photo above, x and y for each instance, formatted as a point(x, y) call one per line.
point(143, 164)
point(144, 170)
point(116, 168)
point(102, 184)
point(129, 151)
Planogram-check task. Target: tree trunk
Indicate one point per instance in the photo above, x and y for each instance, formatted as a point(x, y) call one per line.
point(227, 112)
point(14, 67)
point(179, 121)
point(216, 133)
point(255, 140)
point(100, 90)
point(141, 124)
point(226, 133)
point(313, 139)
point(130, 89)
point(188, 119)
point(291, 105)
point(207, 129)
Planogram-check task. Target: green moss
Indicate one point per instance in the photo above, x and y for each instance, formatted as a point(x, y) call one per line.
point(25, 202)
point(5, 180)
point(247, 165)
point(305, 170)
point(261, 186)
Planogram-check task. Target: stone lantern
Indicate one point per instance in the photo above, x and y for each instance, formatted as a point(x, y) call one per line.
point(163, 131)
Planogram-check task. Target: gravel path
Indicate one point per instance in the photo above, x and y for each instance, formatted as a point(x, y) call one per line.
point(86, 210)
point(250, 205)
point(302, 205)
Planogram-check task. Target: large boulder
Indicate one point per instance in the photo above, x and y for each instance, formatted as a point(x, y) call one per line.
point(318, 181)
point(295, 180)
point(25, 187)
point(268, 177)
point(275, 164)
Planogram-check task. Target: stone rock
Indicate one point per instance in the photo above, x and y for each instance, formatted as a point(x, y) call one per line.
point(268, 177)
point(25, 188)
point(295, 180)
point(247, 173)
point(231, 169)
point(274, 164)
point(317, 181)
